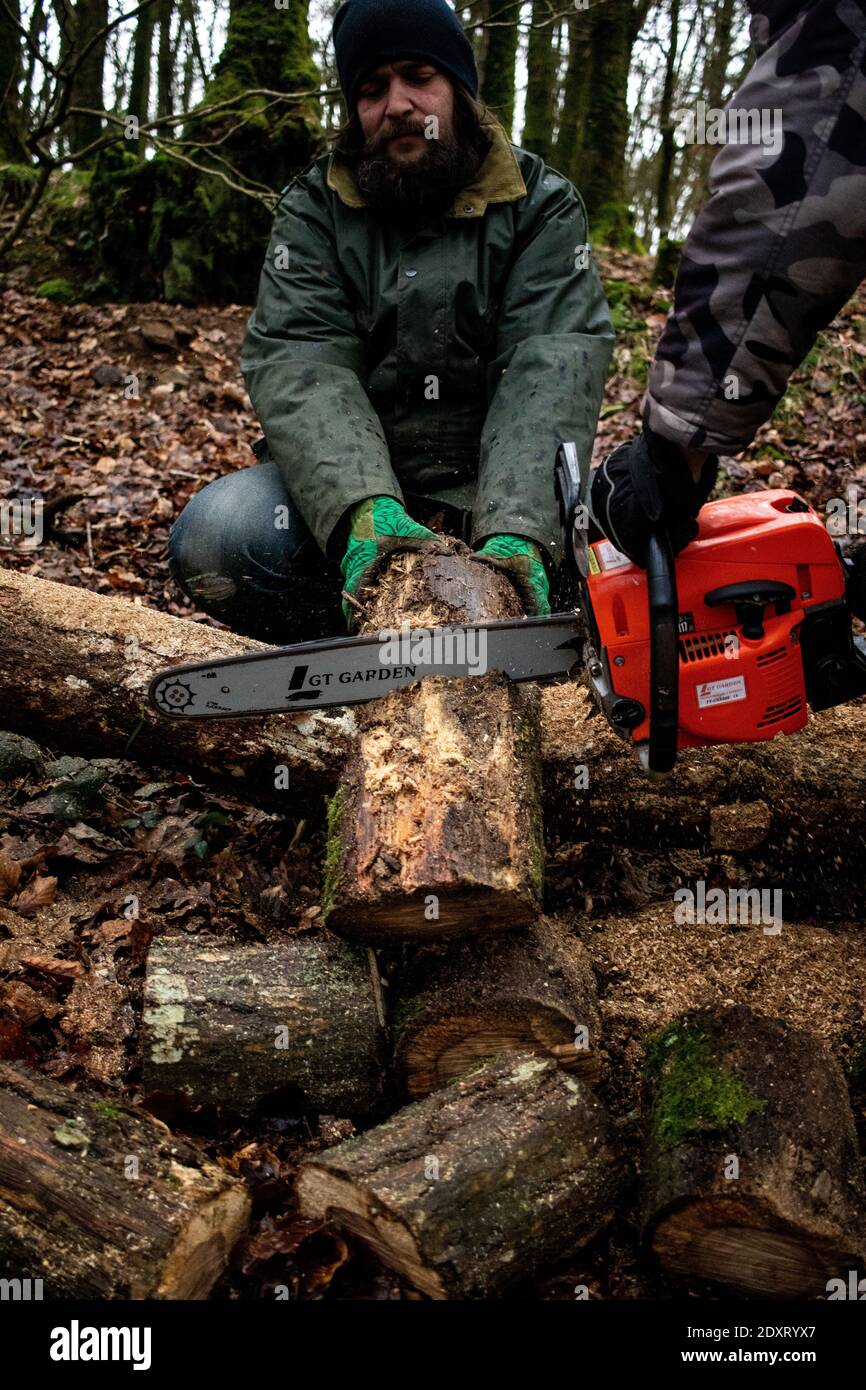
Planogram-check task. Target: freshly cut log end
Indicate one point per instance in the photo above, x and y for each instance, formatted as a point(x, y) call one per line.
point(462, 1001)
point(751, 1171)
point(512, 1165)
point(744, 1246)
point(101, 1202)
point(228, 1025)
point(436, 829)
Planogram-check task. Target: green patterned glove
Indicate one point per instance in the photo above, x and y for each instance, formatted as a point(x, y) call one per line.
point(378, 526)
point(521, 560)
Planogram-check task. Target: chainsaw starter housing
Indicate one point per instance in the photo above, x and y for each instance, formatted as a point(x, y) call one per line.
point(764, 629)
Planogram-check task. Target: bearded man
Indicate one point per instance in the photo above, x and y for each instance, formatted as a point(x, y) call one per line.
point(430, 327)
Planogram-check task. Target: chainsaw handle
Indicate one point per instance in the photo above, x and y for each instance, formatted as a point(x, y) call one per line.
point(664, 656)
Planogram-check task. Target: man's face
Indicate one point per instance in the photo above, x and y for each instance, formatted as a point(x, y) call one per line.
point(395, 106)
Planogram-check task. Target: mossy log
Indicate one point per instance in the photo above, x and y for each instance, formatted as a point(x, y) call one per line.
point(228, 1025)
point(436, 826)
point(511, 1166)
point(751, 1173)
point(99, 1202)
point(459, 1001)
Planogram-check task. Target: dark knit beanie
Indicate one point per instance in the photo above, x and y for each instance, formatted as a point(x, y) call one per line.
point(370, 33)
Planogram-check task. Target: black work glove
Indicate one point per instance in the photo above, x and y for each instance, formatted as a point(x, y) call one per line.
point(645, 486)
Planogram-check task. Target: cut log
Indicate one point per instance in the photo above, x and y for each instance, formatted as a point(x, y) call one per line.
point(791, 810)
point(435, 828)
point(76, 665)
point(99, 1202)
point(459, 1001)
point(751, 1172)
point(511, 1166)
point(228, 1025)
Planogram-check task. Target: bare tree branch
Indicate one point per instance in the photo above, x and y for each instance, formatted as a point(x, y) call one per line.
point(25, 33)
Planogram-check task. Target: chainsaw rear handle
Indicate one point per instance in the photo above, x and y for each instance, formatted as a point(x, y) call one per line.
point(660, 754)
point(572, 482)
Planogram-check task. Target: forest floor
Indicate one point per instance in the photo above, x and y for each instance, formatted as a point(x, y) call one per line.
point(116, 415)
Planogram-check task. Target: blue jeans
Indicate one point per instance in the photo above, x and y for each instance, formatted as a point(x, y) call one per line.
point(241, 551)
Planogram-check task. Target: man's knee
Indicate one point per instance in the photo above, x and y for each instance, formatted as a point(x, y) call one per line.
point(229, 531)
point(201, 544)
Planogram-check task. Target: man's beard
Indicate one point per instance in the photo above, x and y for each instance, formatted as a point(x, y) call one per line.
point(423, 188)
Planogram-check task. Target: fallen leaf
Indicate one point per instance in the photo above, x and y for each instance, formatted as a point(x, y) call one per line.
point(57, 969)
point(39, 892)
point(10, 873)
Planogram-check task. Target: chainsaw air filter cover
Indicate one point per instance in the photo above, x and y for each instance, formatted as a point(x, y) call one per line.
point(763, 564)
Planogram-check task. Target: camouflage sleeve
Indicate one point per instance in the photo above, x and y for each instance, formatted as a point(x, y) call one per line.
point(781, 244)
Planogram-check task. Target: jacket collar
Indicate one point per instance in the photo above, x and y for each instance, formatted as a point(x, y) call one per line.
point(499, 179)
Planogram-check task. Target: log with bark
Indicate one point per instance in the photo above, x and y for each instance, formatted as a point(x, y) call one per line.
point(75, 667)
point(512, 1165)
point(792, 809)
point(459, 1001)
point(229, 1025)
point(751, 1174)
point(100, 1202)
point(436, 828)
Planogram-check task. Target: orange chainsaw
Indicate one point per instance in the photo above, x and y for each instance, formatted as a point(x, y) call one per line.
point(730, 644)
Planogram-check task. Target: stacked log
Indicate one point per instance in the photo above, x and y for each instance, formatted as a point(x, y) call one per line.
point(457, 1002)
point(230, 1026)
point(510, 1166)
point(751, 1174)
point(100, 1202)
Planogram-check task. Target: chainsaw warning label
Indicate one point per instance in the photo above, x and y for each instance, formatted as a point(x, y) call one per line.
point(610, 557)
point(721, 692)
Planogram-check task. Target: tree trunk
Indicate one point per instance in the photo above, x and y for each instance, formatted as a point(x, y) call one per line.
point(513, 1165)
point(190, 227)
point(500, 59)
point(35, 29)
point(461, 1001)
point(436, 827)
point(569, 142)
point(12, 146)
point(100, 1202)
point(139, 86)
point(229, 1025)
point(714, 85)
point(473, 19)
point(602, 164)
point(165, 60)
point(668, 150)
point(90, 17)
point(751, 1172)
point(542, 66)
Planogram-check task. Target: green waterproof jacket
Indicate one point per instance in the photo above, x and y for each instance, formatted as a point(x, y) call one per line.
point(446, 364)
